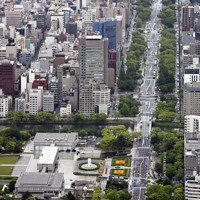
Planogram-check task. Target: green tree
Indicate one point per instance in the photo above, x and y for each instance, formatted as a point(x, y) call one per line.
point(11, 186)
point(124, 110)
point(26, 195)
point(158, 168)
point(96, 193)
point(11, 146)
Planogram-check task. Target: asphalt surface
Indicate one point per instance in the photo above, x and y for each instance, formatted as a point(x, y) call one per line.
point(148, 97)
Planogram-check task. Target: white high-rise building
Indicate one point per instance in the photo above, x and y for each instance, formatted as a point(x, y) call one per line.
point(5, 104)
point(192, 123)
point(24, 80)
point(102, 99)
point(192, 188)
point(35, 101)
point(48, 102)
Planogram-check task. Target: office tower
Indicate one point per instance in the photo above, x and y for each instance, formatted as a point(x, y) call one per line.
point(93, 58)
point(48, 102)
point(35, 101)
point(187, 17)
point(86, 99)
point(108, 29)
point(94, 98)
point(13, 18)
point(7, 76)
point(191, 96)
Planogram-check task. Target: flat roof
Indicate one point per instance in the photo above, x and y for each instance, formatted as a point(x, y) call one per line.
point(93, 37)
point(48, 155)
point(55, 137)
point(35, 179)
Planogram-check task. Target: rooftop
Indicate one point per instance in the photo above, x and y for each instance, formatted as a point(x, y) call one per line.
point(48, 155)
point(55, 137)
point(35, 179)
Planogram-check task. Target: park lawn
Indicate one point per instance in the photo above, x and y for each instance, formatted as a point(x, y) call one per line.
point(6, 170)
point(8, 159)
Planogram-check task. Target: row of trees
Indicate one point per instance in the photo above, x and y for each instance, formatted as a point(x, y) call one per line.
point(110, 194)
point(11, 139)
point(128, 81)
point(166, 192)
point(143, 9)
point(41, 117)
point(117, 138)
point(165, 110)
point(128, 106)
point(168, 16)
point(167, 60)
point(171, 142)
point(167, 56)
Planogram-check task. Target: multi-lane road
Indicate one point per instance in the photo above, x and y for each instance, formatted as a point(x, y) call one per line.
point(148, 96)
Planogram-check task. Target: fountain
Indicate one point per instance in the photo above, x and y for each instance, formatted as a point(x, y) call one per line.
point(89, 165)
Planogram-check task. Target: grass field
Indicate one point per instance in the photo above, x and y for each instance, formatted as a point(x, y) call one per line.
point(5, 170)
point(8, 159)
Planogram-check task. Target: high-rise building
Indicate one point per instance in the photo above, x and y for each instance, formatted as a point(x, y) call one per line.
point(93, 58)
point(24, 80)
point(20, 104)
point(108, 29)
point(5, 104)
point(71, 28)
point(187, 17)
point(48, 102)
point(192, 123)
point(191, 96)
point(94, 98)
point(35, 101)
point(53, 87)
point(7, 76)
